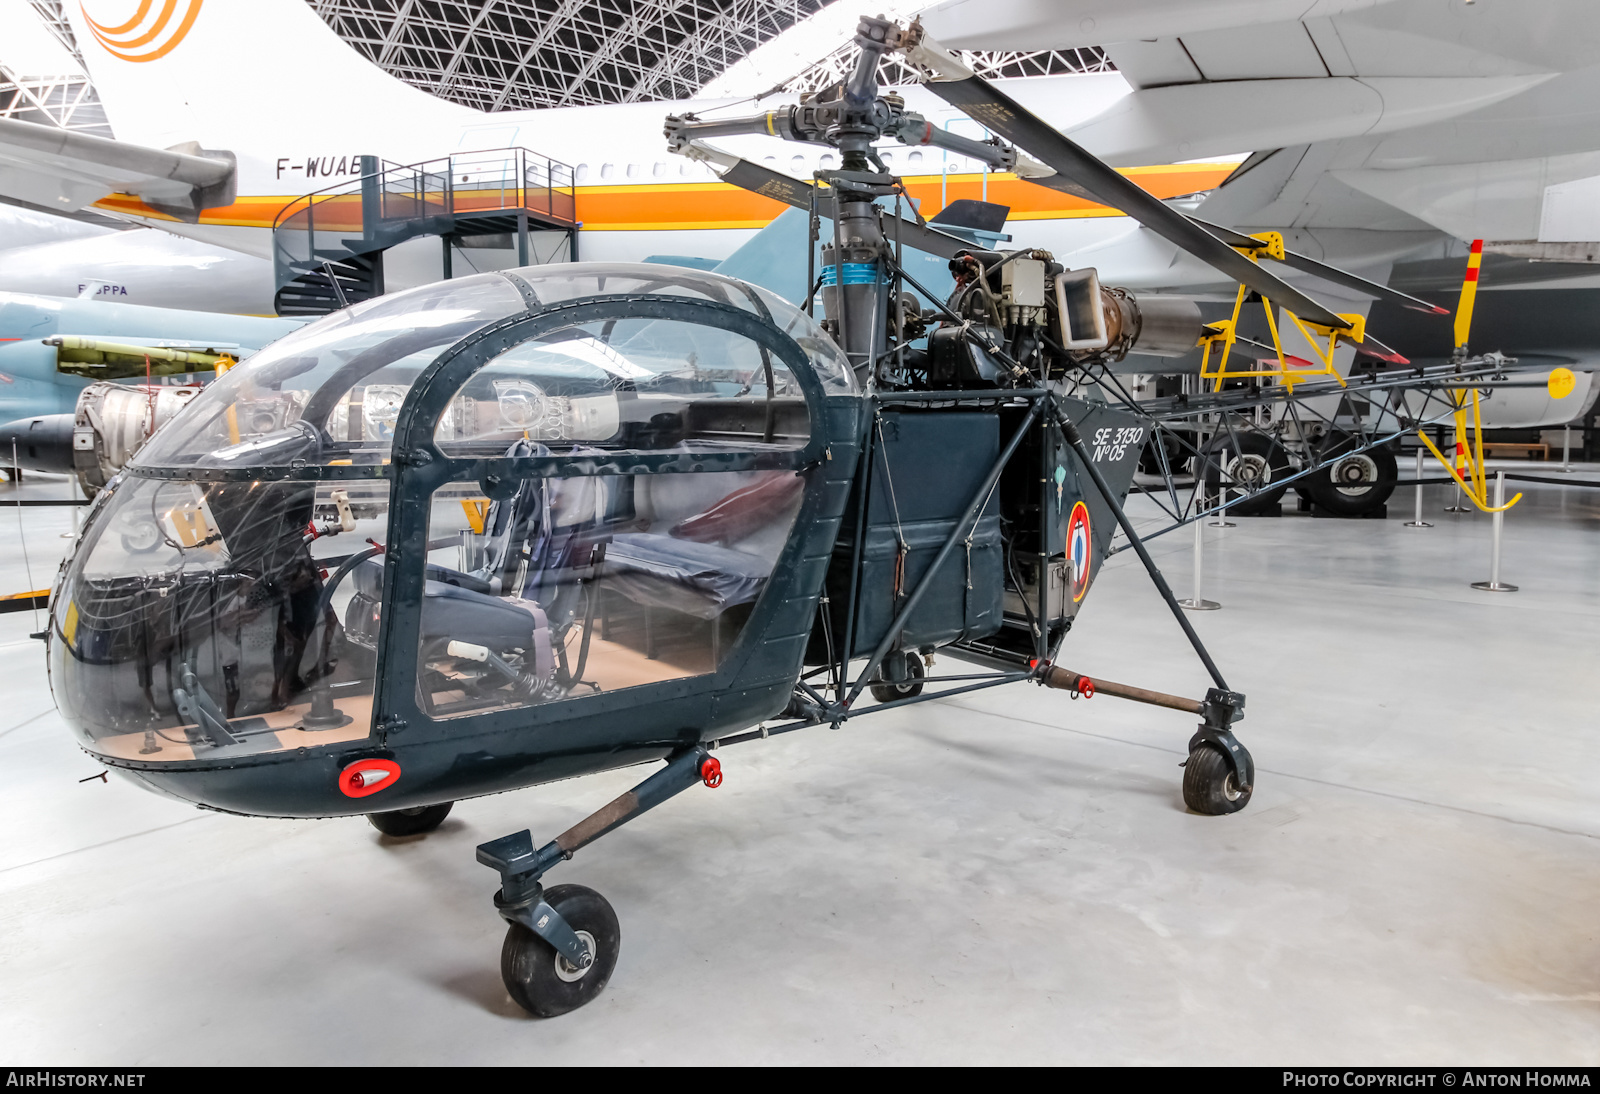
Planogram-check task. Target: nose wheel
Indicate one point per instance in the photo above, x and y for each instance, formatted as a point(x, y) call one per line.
point(540, 979)
point(562, 943)
point(410, 822)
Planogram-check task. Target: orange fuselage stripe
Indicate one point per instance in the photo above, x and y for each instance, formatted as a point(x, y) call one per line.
point(691, 206)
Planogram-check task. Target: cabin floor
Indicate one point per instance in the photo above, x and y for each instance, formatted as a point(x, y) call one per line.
point(1002, 877)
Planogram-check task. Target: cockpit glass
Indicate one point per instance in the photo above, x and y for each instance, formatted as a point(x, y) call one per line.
point(330, 393)
point(257, 414)
point(638, 384)
point(207, 620)
point(225, 598)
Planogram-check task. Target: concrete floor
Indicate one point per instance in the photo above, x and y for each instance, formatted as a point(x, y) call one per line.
point(1007, 877)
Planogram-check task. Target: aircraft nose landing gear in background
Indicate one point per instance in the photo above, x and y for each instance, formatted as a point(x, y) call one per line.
point(563, 942)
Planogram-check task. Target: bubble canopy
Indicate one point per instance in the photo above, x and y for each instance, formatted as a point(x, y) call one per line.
point(332, 391)
point(464, 509)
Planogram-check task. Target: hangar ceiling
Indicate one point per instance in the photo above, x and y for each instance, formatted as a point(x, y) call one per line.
point(68, 101)
point(519, 54)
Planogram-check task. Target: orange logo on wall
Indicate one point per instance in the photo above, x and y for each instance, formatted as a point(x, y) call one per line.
point(152, 32)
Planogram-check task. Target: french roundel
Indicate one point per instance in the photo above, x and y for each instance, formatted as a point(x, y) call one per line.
point(1080, 550)
point(151, 30)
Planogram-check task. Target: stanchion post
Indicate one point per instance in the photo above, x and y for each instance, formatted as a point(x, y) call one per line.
point(1417, 521)
point(1566, 448)
point(1221, 520)
point(72, 495)
point(1198, 603)
point(1457, 507)
point(1494, 584)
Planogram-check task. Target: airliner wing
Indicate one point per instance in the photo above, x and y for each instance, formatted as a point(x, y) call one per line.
point(1365, 116)
point(66, 171)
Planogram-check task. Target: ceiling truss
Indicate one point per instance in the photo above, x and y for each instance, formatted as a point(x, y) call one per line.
point(523, 54)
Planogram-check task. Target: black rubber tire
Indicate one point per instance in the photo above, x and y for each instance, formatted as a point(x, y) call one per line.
point(1209, 786)
point(411, 822)
point(1330, 491)
point(1264, 454)
point(888, 692)
point(528, 963)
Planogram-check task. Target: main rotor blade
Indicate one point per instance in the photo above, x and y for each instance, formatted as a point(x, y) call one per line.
point(1076, 168)
point(797, 192)
point(1331, 274)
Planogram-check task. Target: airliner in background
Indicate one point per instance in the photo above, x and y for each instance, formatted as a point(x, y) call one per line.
point(1378, 135)
point(216, 159)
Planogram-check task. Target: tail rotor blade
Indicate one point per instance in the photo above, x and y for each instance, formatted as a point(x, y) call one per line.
point(1469, 295)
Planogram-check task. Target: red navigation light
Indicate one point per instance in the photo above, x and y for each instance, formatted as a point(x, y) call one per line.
point(711, 771)
point(367, 777)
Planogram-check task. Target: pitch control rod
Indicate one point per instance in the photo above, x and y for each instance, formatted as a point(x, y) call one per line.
point(1088, 686)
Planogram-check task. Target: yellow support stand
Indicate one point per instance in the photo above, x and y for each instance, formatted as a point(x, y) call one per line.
point(1224, 334)
point(1471, 489)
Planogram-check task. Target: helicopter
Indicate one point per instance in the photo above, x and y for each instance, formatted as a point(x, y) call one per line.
point(604, 515)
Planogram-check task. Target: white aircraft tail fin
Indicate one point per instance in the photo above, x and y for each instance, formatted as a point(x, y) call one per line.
point(264, 75)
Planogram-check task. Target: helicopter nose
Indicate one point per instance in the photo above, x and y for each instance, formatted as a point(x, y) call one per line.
point(365, 777)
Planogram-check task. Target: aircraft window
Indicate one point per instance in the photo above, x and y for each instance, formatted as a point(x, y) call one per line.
point(201, 620)
point(606, 170)
point(579, 586)
point(827, 161)
point(659, 170)
point(684, 167)
point(583, 172)
point(914, 157)
point(797, 163)
point(634, 384)
point(633, 170)
point(770, 161)
point(886, 157)
point(254, 415)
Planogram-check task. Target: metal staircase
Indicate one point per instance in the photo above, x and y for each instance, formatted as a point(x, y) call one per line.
point(328, 245)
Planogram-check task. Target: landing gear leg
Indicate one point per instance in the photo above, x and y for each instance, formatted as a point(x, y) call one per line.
point(1219, 773)
point(563, 942)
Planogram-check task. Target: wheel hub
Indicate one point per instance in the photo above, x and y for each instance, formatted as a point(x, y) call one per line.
point(1354, 474)
point(1250, 473)
point(566, 970)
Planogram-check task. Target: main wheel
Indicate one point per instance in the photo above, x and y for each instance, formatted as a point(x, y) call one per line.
point(909, 683)
point(1209, 786)
point(411, 822)
point(1248, 465)
point(542, 981)
point(1357, 482)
